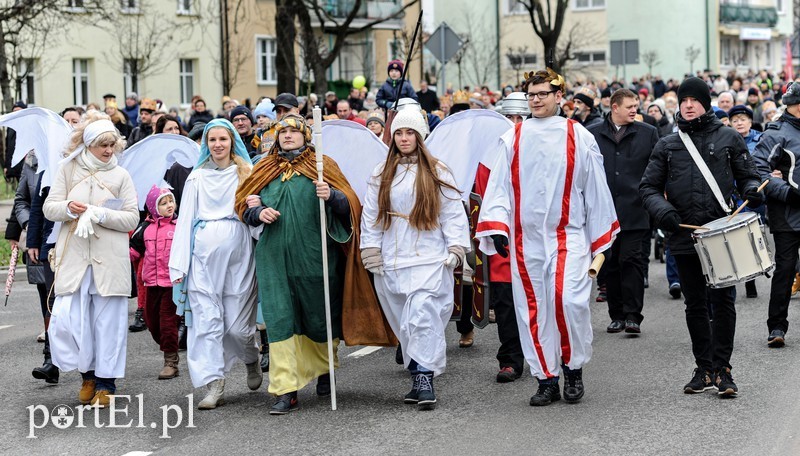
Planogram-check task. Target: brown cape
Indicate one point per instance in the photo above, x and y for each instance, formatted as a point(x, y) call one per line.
point(363, 322)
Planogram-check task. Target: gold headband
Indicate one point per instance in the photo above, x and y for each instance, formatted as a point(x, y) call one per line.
point(556, 79)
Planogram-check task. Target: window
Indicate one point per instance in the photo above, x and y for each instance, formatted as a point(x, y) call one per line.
point(187, 80)
point(515, 7)
point(591, 57)
point(26, 79)
point(396, 49)
point(75, 6)
point(185, 7)
point(80, 81)
point(266, 50)
point(768, 54)
point(779, 6)
point(588, 4)
point(130, 75)
point(129, 6)
point(521, 60)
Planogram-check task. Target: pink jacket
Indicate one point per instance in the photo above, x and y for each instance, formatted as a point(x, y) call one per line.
point(157, 243)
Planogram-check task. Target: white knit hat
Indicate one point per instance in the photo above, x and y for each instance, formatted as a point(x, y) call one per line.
point(410, 118)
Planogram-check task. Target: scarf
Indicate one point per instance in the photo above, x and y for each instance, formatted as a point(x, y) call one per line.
point(94, 164)
point(363, 322)
point(792, 120)
point(697, 124)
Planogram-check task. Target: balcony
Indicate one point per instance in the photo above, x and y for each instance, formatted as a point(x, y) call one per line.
point(374, 9)
point(760, 15)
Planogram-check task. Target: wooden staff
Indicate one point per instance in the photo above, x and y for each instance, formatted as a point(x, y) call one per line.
point(597, 263)
point(747, 201)
point(323, 228)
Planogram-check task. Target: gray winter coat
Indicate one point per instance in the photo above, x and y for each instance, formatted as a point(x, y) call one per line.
point(26, 190)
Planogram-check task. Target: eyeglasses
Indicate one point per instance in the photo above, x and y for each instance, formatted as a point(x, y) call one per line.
point(239, 119)
point(540, 95)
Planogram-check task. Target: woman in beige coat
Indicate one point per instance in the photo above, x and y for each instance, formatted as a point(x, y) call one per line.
point(95, 202)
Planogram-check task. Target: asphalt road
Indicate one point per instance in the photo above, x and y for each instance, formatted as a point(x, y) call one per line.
point(634, 402)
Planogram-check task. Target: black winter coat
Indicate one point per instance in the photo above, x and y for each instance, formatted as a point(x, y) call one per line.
point(625, 164)
point(386, 94)
point(779, 148)
point(672, 171)
point(39, 228)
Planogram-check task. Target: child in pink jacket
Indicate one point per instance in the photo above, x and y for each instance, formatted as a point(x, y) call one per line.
point(152, 242)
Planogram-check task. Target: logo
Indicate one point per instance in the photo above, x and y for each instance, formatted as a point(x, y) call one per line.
point(62, 416)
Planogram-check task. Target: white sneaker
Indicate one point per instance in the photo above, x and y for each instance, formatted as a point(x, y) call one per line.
point(254, 375)
point(214, 397)
point(40, 337)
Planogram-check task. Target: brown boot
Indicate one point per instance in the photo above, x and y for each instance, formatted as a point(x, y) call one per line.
point(170, 369)
point(86, 393)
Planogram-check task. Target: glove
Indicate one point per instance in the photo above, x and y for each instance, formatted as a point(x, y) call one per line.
point(85, 228)
point(754, 197)
point(454, 258)
point(670, 221)
point(500, 244)
point(97, 214)
point(372, 259)
point(793, 197)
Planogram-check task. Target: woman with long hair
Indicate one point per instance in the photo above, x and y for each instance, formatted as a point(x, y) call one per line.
point(212, 260)
point(94, 200)
point(414, 233)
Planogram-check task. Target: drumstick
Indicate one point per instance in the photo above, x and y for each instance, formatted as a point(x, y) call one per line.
point(693, 227)
point(746, 202)
point(597, 263)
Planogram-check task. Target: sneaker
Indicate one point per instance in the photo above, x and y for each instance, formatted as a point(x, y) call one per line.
point(40, 338)
point(701, 381)
point(776, 338)
point(723, 381)
point(284, 404)
point(254, 375)
point(426, 398)
point(324, 385)
point(675, 290)
point(573, 386)
point(413, 396)
point(507, 375)
point(547, 393)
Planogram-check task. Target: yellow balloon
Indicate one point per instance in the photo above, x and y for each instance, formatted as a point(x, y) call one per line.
point(359, 82)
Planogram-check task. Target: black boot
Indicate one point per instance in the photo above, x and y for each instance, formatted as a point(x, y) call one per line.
point(324, 385)
point(398, 355)
point(48, 372)
point(750, 289)
point(182, 334)
point(426, 397)
point(138, 322)
point(573, 385)
point(547, 392)
point(413, 396)
point(264, 351)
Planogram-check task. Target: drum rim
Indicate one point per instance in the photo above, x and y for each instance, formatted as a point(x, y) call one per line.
point(750, 218)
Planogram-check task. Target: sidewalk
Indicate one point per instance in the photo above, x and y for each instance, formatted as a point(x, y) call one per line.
point(6, 206)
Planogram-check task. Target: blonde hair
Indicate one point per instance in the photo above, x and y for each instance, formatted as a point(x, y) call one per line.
point(243, 168)
point(76, 139)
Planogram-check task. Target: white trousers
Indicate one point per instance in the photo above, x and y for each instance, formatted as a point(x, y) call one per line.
point(418, 303)
point(89, 332)
point(223, 296)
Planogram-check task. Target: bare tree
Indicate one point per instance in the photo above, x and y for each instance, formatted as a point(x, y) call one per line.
point(650, 58)
point(547, 19)
point(516, 58)
point(481, 57)
point(692, 53)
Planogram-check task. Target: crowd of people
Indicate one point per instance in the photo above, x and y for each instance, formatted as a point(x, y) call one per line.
point(221, 265)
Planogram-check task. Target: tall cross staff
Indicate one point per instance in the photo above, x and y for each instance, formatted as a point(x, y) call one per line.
point(324, 238)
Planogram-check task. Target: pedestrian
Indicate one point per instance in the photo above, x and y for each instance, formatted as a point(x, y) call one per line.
point(674, 191)
point(556, 216)
point(212, 260)
point(427, 98)
point(376, 124)
point(778, 150)
point(626, 145)
point(200, 114)
point(345, 112)
point(152, 243)
point(147, 108)
point(131, 109)
point(585, 112)
point(242, 119)
point(95, 202)
point(120, 122)
point(657, 111)
point(389, 92)
point(414, 234)
point(282, 196)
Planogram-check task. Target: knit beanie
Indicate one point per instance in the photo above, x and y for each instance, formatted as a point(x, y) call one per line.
point(585, 99)
point(395, 65)
point(410, 118)
point(239, 110)
point(696, 88)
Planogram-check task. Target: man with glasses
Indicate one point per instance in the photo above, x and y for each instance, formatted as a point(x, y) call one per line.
point(547, 204)
point(242, 120)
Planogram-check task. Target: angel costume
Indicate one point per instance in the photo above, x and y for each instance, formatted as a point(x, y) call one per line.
point(547, 193)
point(213, 251)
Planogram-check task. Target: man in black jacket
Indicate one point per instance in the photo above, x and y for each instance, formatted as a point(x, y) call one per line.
point(674, 192)
point(427, 98)
point(779, 150)
point(626, 146)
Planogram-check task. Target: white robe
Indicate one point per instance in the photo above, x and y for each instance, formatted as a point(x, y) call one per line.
point(89, 332)
point(221, 285)
point(416, 289)
point(548, 194)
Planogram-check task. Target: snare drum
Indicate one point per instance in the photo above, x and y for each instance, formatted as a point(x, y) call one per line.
point(733, 251)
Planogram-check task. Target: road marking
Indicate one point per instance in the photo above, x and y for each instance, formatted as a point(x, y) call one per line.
point(363, 352)
point(138, 453)
point(8, 326)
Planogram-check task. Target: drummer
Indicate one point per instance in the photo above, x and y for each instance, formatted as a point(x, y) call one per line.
point(675, 192)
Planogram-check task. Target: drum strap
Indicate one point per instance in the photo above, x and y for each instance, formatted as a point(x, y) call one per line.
point(701, 164)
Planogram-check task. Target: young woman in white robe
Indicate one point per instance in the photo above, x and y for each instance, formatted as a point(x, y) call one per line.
point(94, 201)
point(212, 251)
point(414, 233)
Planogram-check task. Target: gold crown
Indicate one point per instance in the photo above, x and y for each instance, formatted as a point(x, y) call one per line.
point(460, 97)
point(556, 80)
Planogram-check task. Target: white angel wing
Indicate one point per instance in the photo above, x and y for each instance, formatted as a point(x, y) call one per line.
point(43, 131)
point(355, 149)
point(149, 159)
point(465, 139)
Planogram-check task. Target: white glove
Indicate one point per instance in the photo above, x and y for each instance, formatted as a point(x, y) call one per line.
point(96, 213)
point(452, 261)
point(372, 259)
point(85, 228)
